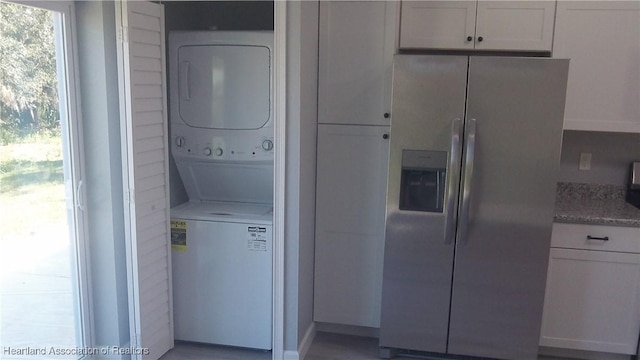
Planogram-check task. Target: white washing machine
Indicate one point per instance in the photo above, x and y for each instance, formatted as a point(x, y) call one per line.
point(222, 273)
point(221, 121)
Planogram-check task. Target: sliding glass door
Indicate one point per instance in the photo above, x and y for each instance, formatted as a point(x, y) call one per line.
point(43, 272)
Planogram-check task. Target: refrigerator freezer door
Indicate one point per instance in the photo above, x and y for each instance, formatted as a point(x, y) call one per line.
point(500, 265)
point(428, 105)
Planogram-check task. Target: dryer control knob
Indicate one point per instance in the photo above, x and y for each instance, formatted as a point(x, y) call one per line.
point(207, 151)
point(267, 145)
point(218, 152)
point(180, 141)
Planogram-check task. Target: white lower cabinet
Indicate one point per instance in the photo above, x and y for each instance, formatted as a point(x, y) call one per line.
point(350, 216)
point(592, 299)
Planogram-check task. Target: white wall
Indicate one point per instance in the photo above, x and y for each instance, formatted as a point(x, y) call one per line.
point(101, 127)
point(302, 86)
point(308, 141)
point(218, 15)
point(611, 155)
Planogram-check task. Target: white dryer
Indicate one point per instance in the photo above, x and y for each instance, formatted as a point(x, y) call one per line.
point(221, 114)
point(222, 274)
point(221, 118)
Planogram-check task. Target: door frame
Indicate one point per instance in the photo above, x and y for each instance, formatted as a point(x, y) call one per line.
point(280, 49)
point(279, 76)
point(68, 73)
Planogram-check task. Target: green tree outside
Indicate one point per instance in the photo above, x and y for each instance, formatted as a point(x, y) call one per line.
point(28, 82)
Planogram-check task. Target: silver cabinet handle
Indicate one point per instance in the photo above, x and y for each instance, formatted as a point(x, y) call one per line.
point(470, 149)
point(601, 238)
point(453, 174)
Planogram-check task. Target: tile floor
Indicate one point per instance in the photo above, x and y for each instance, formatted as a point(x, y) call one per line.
point(195, 351)
point(326, 346)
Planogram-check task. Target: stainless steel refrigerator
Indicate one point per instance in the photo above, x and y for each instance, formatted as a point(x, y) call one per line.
point(474, 157)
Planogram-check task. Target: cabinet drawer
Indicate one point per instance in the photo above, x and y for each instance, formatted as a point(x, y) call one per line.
point(576, 236)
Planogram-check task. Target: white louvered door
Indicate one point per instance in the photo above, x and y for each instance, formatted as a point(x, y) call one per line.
point(145, 170)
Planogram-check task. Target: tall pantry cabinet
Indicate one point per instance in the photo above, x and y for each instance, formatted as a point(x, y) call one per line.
point(356, 49)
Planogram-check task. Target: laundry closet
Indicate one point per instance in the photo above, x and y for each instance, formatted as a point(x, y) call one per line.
point(221, 140)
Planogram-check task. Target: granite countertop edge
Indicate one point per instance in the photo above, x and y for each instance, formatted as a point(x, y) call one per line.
point(594, 204)
point(591, 220)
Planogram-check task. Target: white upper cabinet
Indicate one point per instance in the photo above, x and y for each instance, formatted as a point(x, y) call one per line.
point(479, 25)
point(438, 24)
point(515, 25)
point(602, 39)
point(356, 49)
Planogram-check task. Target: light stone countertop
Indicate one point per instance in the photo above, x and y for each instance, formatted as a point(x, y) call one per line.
point(594, 204)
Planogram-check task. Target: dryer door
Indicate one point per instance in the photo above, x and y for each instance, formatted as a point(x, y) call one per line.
point(224, 86)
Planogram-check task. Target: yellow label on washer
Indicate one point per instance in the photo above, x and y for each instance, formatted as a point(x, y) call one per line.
point(179, 235)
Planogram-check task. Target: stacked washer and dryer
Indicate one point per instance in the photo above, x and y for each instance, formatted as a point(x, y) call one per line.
point(221, 120)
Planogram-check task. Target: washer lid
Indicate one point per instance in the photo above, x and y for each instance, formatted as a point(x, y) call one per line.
point(224, 211)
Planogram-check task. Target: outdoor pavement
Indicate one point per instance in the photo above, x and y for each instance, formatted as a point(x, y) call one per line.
point(36, 298)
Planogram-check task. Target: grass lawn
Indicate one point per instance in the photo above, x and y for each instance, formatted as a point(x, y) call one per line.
point(32, 199)
point(37, 295)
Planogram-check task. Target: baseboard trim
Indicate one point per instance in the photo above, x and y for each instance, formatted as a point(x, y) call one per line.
point(348, 329)
point(291, 355)
point(307, 340)
point(304, 346)
point(580, 354)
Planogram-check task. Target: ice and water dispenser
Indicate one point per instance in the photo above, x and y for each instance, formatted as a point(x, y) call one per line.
point(423, 180)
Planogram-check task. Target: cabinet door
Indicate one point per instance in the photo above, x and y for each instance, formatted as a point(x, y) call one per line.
point(515, 25)
point(592, 301)
point(350, 216)
point(355, 58)
point(145, 157)
point(437, 24)
point(602, 39)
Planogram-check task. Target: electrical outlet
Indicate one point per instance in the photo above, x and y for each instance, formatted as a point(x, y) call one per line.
point(585, 161)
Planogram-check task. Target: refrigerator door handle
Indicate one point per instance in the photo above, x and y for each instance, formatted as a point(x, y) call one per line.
point(452, 182)
point(470, 148)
